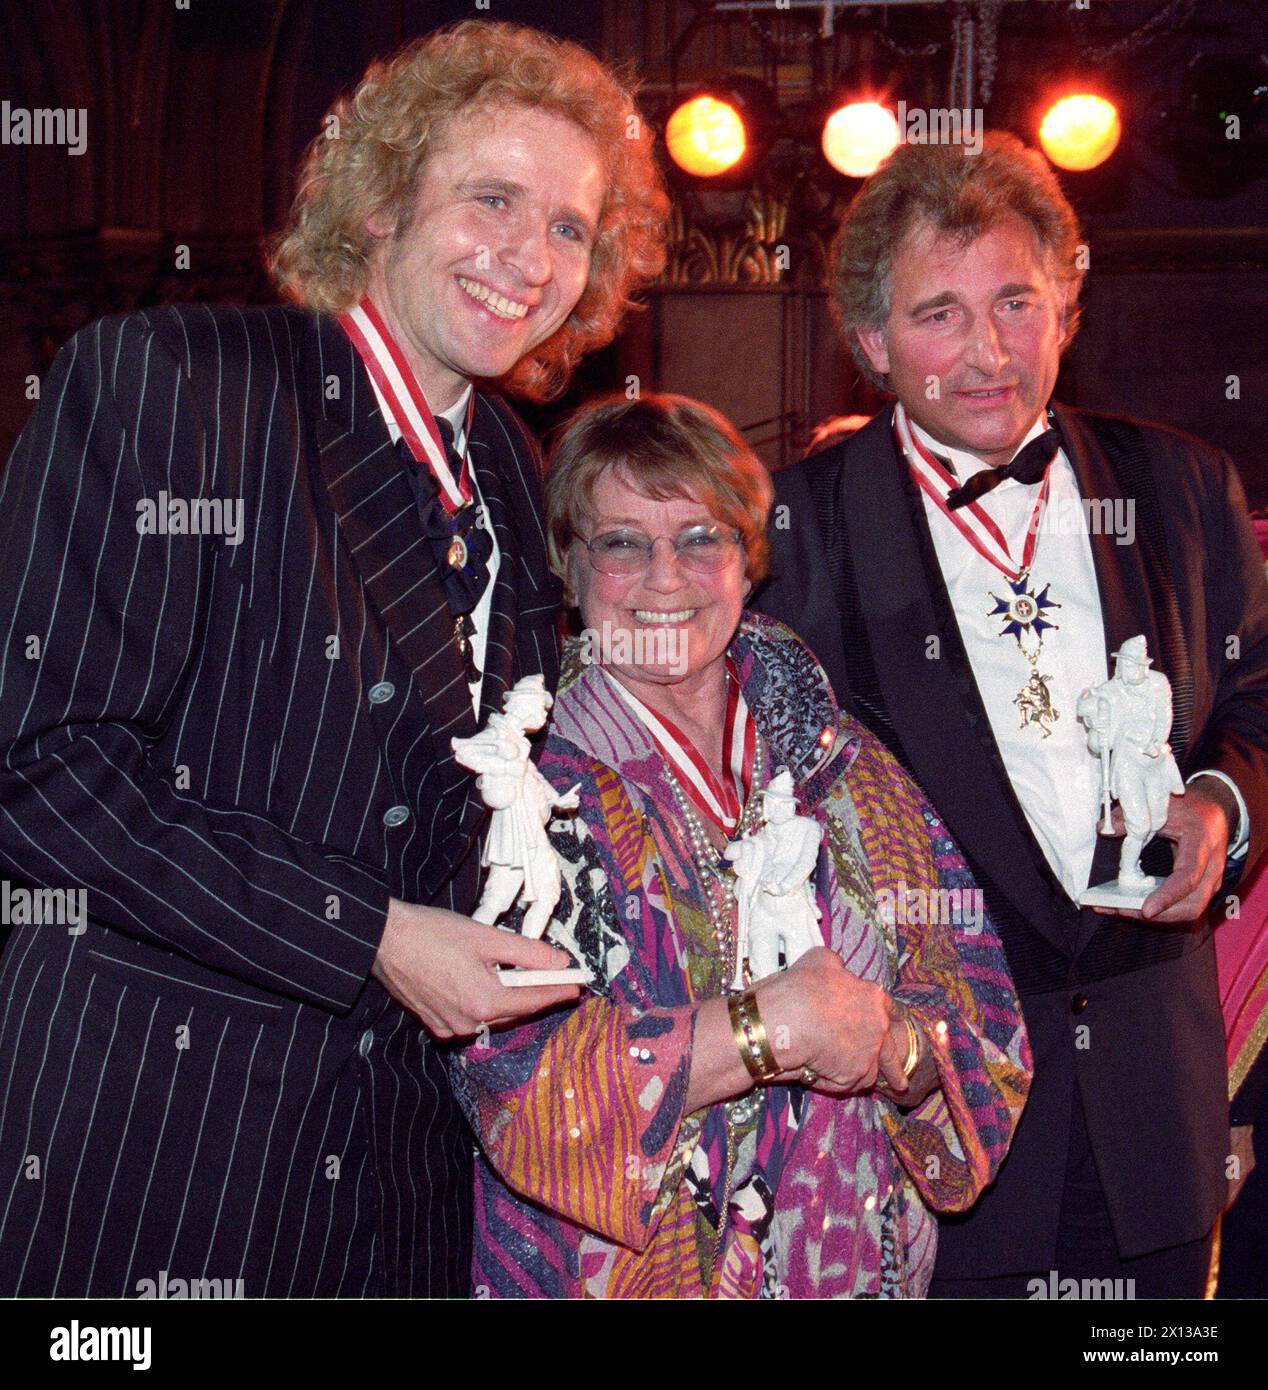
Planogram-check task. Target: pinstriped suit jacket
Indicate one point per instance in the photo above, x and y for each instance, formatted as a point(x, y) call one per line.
point(205, 1080)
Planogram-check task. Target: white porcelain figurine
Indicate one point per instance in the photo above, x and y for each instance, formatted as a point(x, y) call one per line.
point(777, 908)
point(517, 851)
point(1128, 719)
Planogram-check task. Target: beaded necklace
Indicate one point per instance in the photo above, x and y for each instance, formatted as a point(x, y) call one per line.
point(719, 881)
point(718, 877)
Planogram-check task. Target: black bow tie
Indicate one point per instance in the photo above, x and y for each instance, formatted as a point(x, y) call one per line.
point(1030, 464)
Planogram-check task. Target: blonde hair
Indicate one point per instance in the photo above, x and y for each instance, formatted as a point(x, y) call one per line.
point(384, 132)
point(665, 446)
point(959, 194)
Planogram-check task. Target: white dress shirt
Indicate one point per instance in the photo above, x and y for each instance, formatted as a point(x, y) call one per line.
point(1057, 780)
point(457, 417)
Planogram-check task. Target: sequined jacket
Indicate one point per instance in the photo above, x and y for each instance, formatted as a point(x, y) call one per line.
point(593, 1180)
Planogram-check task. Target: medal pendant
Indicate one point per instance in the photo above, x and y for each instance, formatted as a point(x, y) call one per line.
point(1023, 612)
point(1034, 703)
point(457, 556)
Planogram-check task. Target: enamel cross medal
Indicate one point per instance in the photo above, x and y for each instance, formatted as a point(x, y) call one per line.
point(1023, 613)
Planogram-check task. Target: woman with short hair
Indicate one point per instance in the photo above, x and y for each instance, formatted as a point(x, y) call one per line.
point(685, 1130)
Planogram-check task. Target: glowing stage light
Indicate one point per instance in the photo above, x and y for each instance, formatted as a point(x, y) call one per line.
point(859, 137)
point(706, 136)
point(1080, 132)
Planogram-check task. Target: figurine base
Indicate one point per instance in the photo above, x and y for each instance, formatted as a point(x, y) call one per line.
point(1111, 894)
point(519, 979)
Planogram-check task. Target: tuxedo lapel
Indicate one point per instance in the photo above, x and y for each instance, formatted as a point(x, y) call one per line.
point(1126, 604)
point(1133, 578)
point(1130, 592)
point(376, 512)
point(930, 694)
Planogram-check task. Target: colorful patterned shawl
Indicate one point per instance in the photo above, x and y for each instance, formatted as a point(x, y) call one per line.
point(594, 1182)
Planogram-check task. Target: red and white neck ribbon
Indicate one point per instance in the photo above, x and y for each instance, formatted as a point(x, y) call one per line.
point(971, 521)
point(720, 801)
point(394, 377)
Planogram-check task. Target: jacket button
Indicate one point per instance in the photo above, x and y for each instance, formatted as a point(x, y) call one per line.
point(396, 815)
point(1078, 1003)
point(364, 1043)
point(380, 694)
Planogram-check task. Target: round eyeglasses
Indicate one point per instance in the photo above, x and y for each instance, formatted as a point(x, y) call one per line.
point(704, 549)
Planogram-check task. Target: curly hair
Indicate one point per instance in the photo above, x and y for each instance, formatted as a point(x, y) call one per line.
point(665, 446)
point(377, 139)
point(959, 194)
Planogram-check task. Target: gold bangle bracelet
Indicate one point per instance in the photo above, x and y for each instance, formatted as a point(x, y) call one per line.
point(750, 1037)
point(911, 1061)
point(913, 1047)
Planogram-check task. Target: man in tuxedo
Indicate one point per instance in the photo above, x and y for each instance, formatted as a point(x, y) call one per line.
point(261, 566)
point(987, 552)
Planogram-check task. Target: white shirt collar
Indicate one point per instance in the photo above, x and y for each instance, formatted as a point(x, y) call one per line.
point(457, 417)
point(964, 464)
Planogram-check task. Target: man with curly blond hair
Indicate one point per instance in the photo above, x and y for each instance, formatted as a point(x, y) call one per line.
point(275, 559)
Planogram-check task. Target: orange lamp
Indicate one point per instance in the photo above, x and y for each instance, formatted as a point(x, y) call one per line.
point(706, 136)
point(1081, 131)
point(859, 137)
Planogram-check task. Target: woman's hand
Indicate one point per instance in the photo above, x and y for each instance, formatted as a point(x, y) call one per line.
point(818, 1015)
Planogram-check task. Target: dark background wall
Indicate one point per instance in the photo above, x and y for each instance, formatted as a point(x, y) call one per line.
point(197, 117)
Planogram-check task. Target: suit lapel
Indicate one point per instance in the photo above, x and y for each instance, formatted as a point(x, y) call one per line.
point(512, 510)
point(499, 653)
point(376, 512)
point(524, 620)
point(931, 696)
